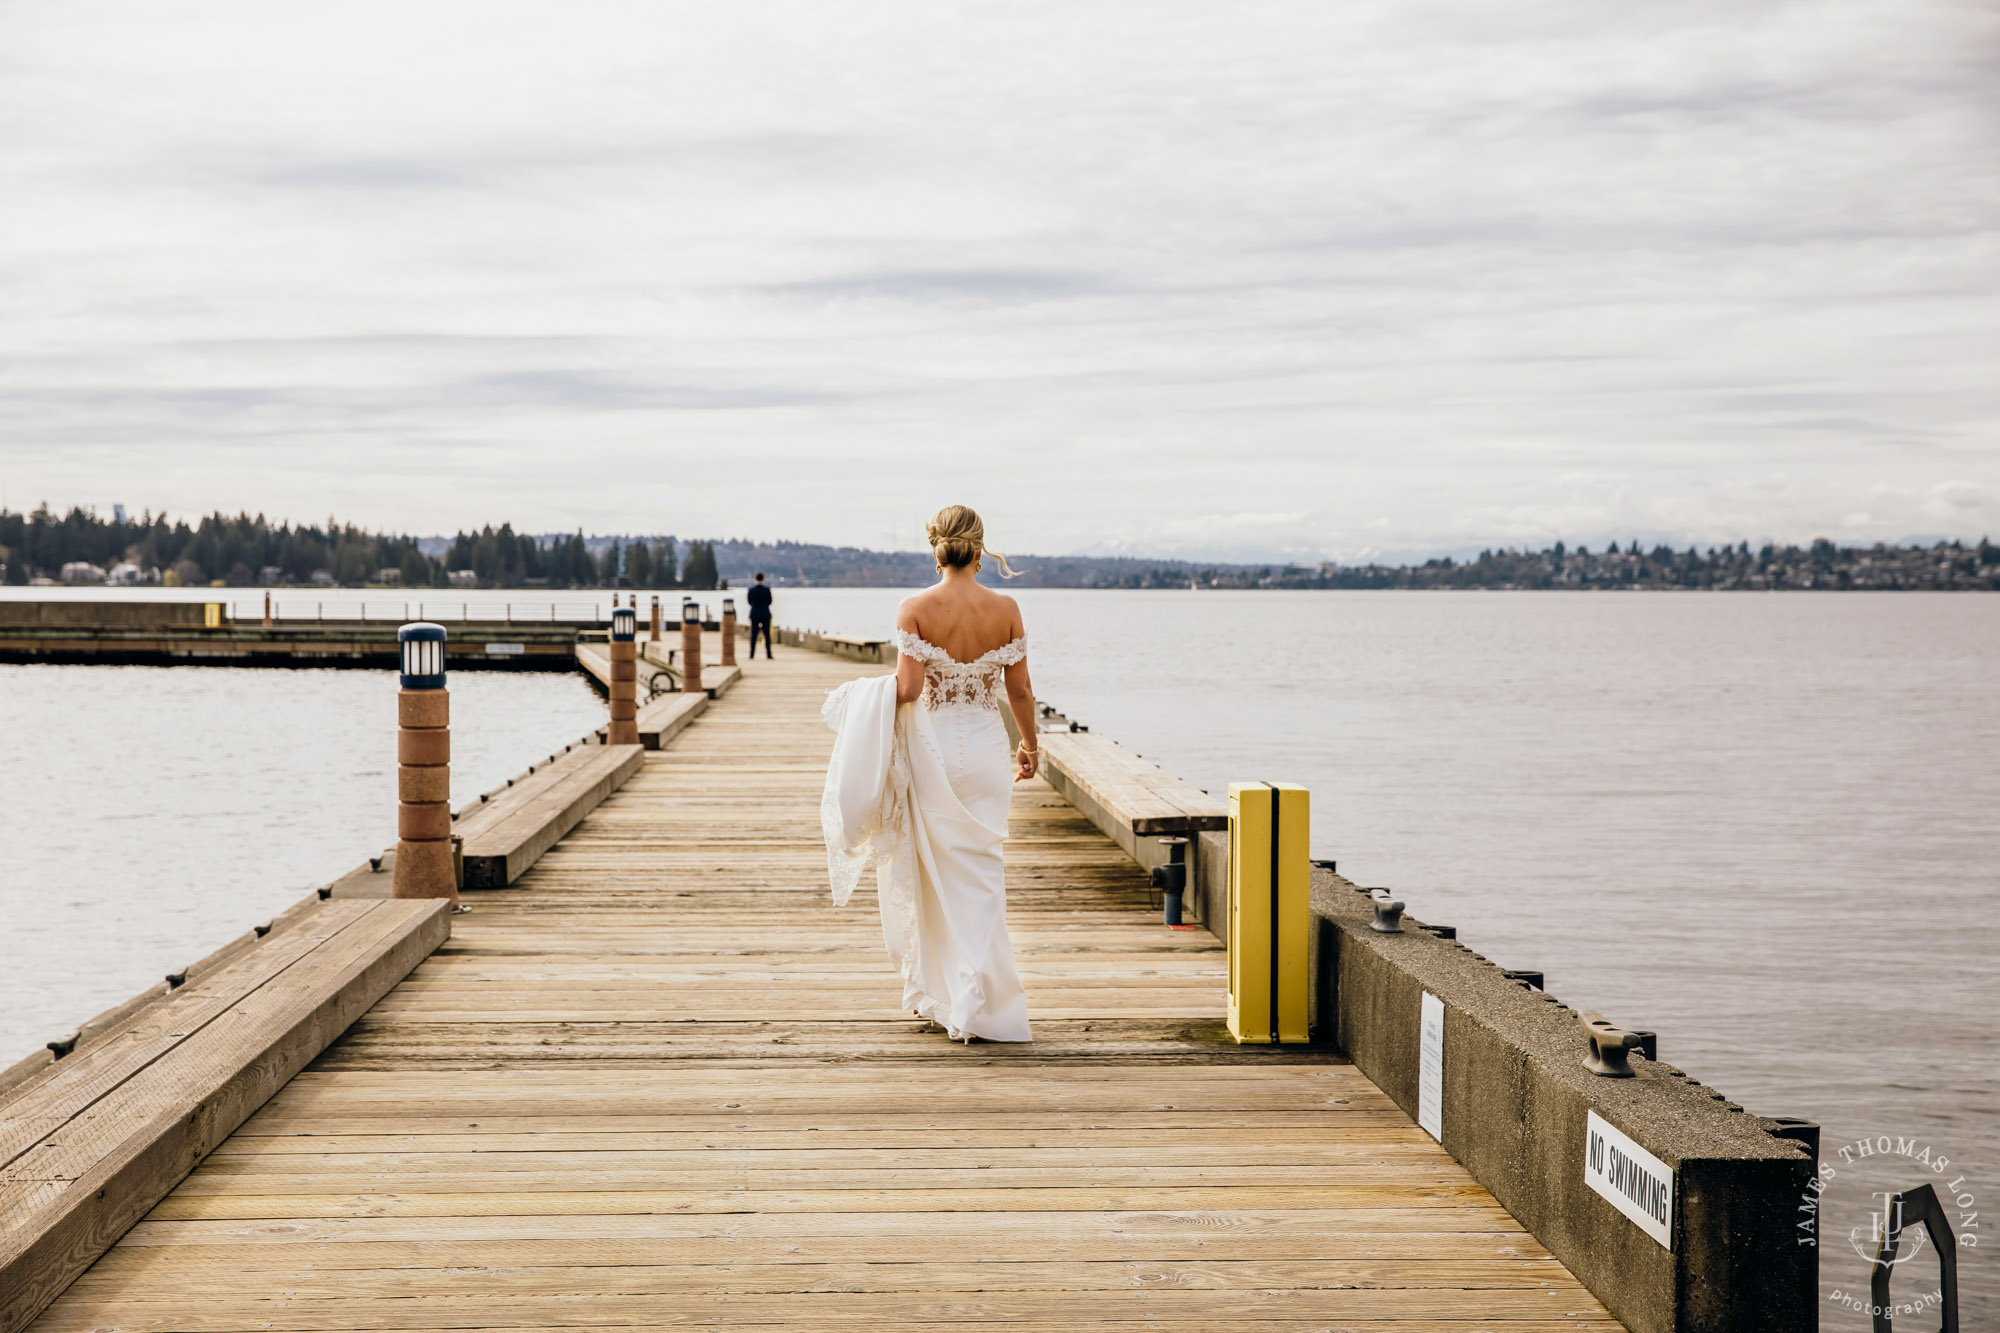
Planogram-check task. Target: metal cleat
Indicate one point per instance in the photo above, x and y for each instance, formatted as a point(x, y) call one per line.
point(1611, 1046)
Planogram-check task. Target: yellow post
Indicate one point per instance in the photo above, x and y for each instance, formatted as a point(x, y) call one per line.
point(1270, 912)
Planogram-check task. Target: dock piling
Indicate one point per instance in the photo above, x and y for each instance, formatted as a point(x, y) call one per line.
point(690, 646)
point(656, 617)
point(729, 631)
point(1171, 879)
point(624, 728)
point(423, 775)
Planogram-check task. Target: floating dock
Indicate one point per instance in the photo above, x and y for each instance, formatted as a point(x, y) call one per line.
point(95, 633)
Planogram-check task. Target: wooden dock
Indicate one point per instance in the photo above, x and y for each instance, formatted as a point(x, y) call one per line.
point(661, 1082)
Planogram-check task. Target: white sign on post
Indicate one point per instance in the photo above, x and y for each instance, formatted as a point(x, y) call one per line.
point(505, 649)
point(1430, 1068)
point(1638, 1184)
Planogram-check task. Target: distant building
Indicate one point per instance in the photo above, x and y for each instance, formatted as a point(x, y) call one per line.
point(117, 513)
point(82, 571)
point(129, 575)
point(322, 578)
point(273, 576)
point(389, 577)
point(463, 578)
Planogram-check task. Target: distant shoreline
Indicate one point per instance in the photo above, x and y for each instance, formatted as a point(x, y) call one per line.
point(242, 552)
point(451, 597)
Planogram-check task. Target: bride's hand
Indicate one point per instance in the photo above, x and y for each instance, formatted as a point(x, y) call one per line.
point(1027, 762)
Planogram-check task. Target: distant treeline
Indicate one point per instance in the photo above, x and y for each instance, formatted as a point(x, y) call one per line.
point(1948, 565)
point(498, 558)
point(242, 551)
point(246, 552)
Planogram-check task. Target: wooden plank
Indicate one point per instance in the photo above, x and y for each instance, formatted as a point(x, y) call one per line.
point(717, 679)
point(509, 834)
point(503, 802)
point(656, 1272)
point(325, 1247)
point(1377, 1232)
point(595, 659)
point(72, 1086)
point(1141, 796)
point(225, 1311)
point(667, 716)
point(132, 1142)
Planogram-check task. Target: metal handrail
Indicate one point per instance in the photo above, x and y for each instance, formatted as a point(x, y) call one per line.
point(401, 612)
point(1918, 1205)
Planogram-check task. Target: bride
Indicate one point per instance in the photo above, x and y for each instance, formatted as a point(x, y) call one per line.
point(918, 787)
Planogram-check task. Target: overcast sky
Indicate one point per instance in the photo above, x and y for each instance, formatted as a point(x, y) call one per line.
point(1206, 279)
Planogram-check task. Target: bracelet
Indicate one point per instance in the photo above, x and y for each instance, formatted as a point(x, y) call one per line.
point(1030, 749)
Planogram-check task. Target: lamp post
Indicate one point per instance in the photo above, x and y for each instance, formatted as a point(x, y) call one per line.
point(690, 645)
point(729, 631)
point(424, 867)
point(624, 675)
point(656, 617)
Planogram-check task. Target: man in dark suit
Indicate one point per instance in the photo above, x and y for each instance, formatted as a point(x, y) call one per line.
point(759, 598)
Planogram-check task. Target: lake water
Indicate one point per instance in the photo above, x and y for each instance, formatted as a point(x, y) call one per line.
point(150, 814)
point(1762, 825)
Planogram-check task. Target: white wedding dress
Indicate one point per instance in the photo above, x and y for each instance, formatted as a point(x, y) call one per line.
point(921, 793)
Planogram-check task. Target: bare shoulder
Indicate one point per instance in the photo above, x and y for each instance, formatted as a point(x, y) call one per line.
point(907, 611)
point(1012, 609)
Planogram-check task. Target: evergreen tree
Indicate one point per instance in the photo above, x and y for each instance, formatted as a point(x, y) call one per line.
point(699, 572)
point(639, 564)
point(416, 569)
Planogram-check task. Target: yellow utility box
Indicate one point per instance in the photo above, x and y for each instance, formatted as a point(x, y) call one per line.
point(1270, 825)
point(211, 616)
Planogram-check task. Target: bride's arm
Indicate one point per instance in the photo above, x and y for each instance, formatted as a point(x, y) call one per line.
point(909, 671)
point(1021, 699)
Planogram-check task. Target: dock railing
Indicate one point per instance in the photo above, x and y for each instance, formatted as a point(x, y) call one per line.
point(400, 611)
point(874, 651)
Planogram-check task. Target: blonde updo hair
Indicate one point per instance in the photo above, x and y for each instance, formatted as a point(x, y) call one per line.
point(958, 539)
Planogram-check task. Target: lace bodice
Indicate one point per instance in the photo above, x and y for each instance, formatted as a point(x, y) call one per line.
point(948, 681)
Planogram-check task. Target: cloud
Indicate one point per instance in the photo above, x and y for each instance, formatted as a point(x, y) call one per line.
point(981, 286)
point(1278, 282)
